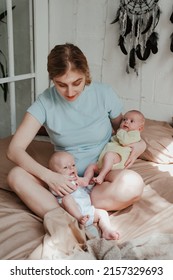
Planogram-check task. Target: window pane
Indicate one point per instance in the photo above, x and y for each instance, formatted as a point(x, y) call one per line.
point(23, 62)
point(5, 121)
point(23, 98)
point(3, 46)
point(22, 36)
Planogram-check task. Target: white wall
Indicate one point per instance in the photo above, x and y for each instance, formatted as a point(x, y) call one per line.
point(87, 24)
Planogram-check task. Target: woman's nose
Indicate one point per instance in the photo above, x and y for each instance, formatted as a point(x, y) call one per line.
point(70, 91)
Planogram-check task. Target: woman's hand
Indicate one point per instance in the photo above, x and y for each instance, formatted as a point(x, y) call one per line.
point(60, 184)
point(137, 149)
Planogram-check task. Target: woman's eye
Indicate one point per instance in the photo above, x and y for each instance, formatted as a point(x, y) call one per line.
point(61, 85)
point(77, 84)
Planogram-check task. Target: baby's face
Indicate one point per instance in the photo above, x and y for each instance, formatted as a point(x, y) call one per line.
point(131, 121)
point(67, 166)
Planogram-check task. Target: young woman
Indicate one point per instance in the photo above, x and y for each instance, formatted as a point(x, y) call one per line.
point(79, 116)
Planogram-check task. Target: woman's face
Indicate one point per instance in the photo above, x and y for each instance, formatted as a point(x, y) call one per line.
point(70, 85)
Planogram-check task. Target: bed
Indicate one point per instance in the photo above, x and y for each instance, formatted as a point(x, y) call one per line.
point(146, 228)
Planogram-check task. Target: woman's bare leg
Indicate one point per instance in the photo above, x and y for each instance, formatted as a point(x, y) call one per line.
point(32, 191)
point(120, 189)
point(102, 218)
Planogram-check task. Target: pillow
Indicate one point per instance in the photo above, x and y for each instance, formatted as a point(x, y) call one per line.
point(158, 136)
point(39, 150)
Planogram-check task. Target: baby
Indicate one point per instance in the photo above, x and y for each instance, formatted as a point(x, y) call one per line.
point(78, 203)
point(116, 152)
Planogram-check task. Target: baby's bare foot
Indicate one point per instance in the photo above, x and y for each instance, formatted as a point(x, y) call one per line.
point(98, 180)
point(110, 235)
point(84, 219)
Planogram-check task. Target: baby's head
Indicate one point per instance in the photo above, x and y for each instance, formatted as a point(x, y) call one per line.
point(63, 163)
point(133, 120)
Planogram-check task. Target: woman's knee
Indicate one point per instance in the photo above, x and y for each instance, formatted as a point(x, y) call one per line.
point(15, 177)
point(132, 184)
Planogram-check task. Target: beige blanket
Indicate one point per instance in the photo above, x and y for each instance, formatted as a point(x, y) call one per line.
point(146, 233)
point(146, 228)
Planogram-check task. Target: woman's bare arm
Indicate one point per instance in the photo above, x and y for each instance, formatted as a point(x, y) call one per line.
point(17, 153)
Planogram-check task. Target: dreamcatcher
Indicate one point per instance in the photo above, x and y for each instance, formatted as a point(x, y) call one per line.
point(137, 21)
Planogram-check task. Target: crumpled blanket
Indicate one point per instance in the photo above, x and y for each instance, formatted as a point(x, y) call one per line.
point(65, 240)
point(157, 246)
point(146, 232)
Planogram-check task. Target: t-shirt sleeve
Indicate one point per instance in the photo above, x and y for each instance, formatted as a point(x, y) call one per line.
point(114, 104)
point(38, 111)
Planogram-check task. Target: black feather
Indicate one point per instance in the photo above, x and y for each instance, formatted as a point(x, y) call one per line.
point(171, 45)
point(132, 61)
point(154, 39)
point(149, 23)
point(171, 17)
point(121, 44)
point(128, 26)
point(152, 42)
point(136, 28)
point(117, 16)
point(157, 18)
point(146, 53)
point(138, 52)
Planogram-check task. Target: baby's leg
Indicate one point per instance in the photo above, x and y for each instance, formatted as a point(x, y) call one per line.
point(70, 205)
point(109, 159)
point(102, 218)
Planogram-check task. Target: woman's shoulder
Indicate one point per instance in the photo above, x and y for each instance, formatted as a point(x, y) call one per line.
point(48, 95)
point(47, 92)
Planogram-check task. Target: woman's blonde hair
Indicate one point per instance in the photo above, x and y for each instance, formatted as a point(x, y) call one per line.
point(62, 57)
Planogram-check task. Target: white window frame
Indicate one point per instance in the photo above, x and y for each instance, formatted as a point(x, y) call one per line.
point(41, 29)
point(39, 51)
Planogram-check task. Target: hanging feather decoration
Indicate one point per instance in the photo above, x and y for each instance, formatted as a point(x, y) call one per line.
point(149, 24)
point(132, 61)
point(137, 22)
point(171, 17)
point(171, 46)
point(121, 44)
point(146, 53)
point(171, 37)
point(128, 26)
point(152, 42)
point(117, 16)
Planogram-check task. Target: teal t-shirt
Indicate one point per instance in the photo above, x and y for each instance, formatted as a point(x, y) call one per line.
point(81, 127)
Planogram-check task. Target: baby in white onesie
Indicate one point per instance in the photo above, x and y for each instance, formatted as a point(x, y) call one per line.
point(78, 203)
